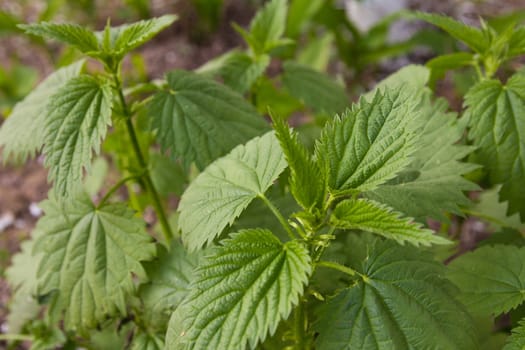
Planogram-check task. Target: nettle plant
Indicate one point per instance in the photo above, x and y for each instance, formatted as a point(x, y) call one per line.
point(276, 243)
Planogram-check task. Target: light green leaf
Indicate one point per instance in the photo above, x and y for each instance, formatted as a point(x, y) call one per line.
point(77, 119)
point(407, 79)
point(90, 257)
point(201, 120)
point(22, 134)
point(317, 53)
point(496, 115)
point(400, 301)
point(432, 183)
point(451, 61)
point(236, 69)
point(516, 44)
point(242, 292)
point(316, 90)
point(21, 276)
point(517, 340)
point(169, 278)
point(307, 182)
point(369, 144)
point(241, 71)
point(221, 192)
point(370, 216)
point(494, 213)
point(73, 34)
point(130, 36)
point(268, 25)
point(146, 341)
point(471, 36)
point(491, 279)
point(301, 12)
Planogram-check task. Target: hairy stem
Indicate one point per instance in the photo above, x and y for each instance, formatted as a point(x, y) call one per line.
point(115, 187)
point(278, 215)
point(148, 183)
point(16, 337)
point(338, 267)
point(300, 322)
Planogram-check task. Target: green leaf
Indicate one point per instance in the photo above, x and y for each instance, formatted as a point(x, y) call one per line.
point(268, 25)
point(316, 90)
point(21, 276)
point(73, 34)
point(400, 301)
point(405, 79)
point(242, 292)
point(201, 120)
point(89, 256)
point(451, 61)
point(220, 193)
point(496, 115)
point(516, 44)
point(146, 341)
point(77, 119)
point(517, 340)
point(22, 134)
point(241, 71)
point(370, 216)
point(471, 36)
point(494, 213)
point(130, 36)
point(167, 175)
point(307, 183)
point(432, 183)
point(369, 144)
point(301, 12)
point(169, 278)
point(491, 279)
point(237, 69)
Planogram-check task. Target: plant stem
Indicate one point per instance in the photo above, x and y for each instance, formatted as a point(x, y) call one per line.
point(148, 183)
point(299, 327)
point(19, 337)
point(338, 267)
point(115, 187)
point(278, 215)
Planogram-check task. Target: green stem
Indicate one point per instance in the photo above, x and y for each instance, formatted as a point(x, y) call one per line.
point(115, 187)
point(278, 215)
point(15, 337)
point(148, 183)
point(299, 327)
point(338, 267)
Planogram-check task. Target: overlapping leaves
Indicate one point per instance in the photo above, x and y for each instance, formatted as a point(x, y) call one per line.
point(241, 293)
point(224, 189)
point(77, 119)
point(201, 120)
point(22, 134)
point(496, 115)
point(88, 257)
point(400, 301)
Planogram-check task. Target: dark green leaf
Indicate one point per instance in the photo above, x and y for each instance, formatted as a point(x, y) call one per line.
point(307, 182)
point(491, 279)
point(432, 184)
point(400, 301)
point(471, 36)
point(315, 89)
point(201, 120)
point(496, 115)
